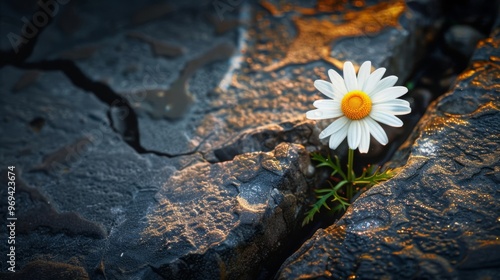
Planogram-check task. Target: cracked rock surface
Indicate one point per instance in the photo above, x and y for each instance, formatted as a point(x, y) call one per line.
point(438, 218)
point(167, 139)
point(215, 220)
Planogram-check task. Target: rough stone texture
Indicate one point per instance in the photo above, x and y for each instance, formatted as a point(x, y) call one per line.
point(286, 48)
point(88, 186)
point(74, 154)
point(75, 175)
point(216, 220)
point(187, 70)
point(438, 218)
point(73, 23)
point(156, 150)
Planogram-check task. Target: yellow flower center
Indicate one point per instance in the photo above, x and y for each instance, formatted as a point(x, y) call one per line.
point(356, 105)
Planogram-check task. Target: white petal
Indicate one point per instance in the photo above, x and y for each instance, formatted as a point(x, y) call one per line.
point(338, 84)
point(320, 114)
point(373, 80)
point(392, 109)
point(354, 135)
point(350, 77)
point(388, 94)
point(338, 137)
point(333, 127)
point(325, 88)
point(386, 82)
point(386, 118)
point(364, 145)
point(400, 102)
point(327, 104)
point(364, 73)
point(376, 131)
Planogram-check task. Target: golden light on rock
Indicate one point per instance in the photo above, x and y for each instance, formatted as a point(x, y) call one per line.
point(315, 35)
point(438, 124)
point(485, 73)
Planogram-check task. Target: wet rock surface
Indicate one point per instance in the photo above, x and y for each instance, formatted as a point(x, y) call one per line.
point(167, 139)
point(182, 71)
point(438, 218)
point(216, 220)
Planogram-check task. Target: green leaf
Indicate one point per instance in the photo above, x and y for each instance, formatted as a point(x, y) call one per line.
point(374, 177)
point(368, 178)
point(322, 201)
point(328, 162)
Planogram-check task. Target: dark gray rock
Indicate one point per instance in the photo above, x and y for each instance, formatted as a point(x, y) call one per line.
point(16, 24)
point(134, 215)
point(75, 149)
point(214, 79)
point(76, 23)
point(214, 221)
point(46, 270)
point(170, 93)
point(463, 39)
point(75, 176)
point(192, 179)
point(289, 46)
point(438, 218)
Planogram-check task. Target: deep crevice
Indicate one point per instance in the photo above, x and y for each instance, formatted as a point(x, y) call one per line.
point(103, 92)
point(128, 118)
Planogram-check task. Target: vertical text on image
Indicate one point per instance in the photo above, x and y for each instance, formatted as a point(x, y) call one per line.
point(11, 218)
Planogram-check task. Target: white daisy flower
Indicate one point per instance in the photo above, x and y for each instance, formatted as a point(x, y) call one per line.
point(357, 104)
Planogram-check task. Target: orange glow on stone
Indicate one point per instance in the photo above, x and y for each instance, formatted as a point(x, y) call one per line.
point(315, 35)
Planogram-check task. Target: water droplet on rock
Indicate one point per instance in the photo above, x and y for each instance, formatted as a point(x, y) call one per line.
point(367, 224)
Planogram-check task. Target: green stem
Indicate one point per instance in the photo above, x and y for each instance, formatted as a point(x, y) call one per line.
point(350, 159)
point(361, 182)
point(350, 173)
